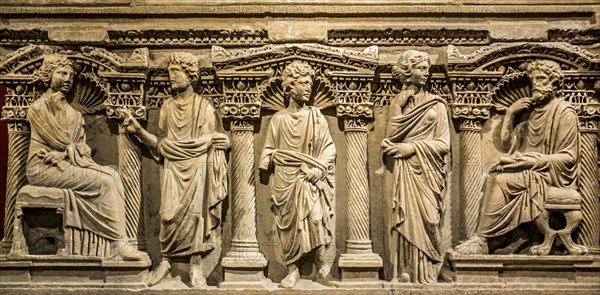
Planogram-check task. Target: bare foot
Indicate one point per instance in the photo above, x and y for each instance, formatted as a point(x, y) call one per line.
point(291, 279)
point(474, 245)
point(197, 280)
point(159, 273)
point(324, 279)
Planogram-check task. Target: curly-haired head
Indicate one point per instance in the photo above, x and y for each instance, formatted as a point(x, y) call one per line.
point(550, 68)
point(51, 63)
point(293, 72)
point(188, 62)
point(403, 69)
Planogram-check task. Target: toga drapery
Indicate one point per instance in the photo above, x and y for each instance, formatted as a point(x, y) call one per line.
point(419, 182)
point(93, 193)
point(550, 134)
point(194, 177)
point(302, 209)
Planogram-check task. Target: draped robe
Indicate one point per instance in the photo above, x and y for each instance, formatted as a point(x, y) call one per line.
point(93, 193)
point(419, 181)
point(302, 209)
point(194, 177)
point(551, 134)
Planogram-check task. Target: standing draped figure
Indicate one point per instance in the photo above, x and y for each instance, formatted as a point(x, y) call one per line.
point(417, 141)
point(191, 147)
point(301, 152)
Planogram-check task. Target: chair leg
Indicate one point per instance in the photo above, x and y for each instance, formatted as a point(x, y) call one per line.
point(549, 234)
point(19, 244)
point(573, 218)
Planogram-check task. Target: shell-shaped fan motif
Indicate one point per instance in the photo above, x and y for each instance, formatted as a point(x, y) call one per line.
point(87, 96)
point(511, 88)
point(273, 98)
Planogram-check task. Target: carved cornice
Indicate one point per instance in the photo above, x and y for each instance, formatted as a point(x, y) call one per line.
point(493, 58)
point(395, 37)
point(575, 37)
point(337, 59)
point(23, 37)
point(174, 38)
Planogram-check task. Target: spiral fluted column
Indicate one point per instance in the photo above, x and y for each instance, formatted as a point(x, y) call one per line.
point(589, 229)
point(18, 148)
point(359, 261)
point(130, 168)
point(243, 263)
point(471, 177)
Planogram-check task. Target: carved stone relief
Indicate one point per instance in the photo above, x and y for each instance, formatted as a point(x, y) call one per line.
point(291, 163)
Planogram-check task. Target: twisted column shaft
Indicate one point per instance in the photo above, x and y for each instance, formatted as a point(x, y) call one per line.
point(18, 148)
point(471, 177)
point(130, 167)
point(243, 263)
point(357, 182)
point(244, 192)
point(590, 192)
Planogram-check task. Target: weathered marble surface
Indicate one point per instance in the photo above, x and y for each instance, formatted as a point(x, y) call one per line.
point(479, 55)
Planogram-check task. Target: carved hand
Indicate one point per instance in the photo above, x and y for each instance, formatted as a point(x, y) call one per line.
point(400, 150)
point(130, 124)
point(53, 158)
point(515, 163)
point(520, 105)
point(313, 175)
point(220, 141)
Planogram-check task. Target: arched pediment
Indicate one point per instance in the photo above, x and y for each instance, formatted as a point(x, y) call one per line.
point(269, 62)
point(27, 59)
point(497, 58)
point(95, 67)
point(275, 57)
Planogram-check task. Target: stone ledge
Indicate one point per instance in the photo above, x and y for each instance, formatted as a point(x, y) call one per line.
point(72, 272)
point(387, 289)
point(526, 269)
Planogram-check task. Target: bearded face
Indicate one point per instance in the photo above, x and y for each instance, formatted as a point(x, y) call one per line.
point(542, 86)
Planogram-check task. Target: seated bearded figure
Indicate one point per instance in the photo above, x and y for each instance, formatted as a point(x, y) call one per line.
point(541, 136)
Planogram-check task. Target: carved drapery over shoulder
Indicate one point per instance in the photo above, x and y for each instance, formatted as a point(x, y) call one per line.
point(105, 81)
point(489, 81)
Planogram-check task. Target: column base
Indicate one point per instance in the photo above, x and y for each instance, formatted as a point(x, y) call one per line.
point(360, 267)
point(4, 247)
point(244, 270)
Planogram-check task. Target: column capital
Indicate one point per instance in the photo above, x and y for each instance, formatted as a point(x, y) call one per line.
point(242, 125)
point(589, 115)
point(18, 97)
point(124, 90)
point(241, 94)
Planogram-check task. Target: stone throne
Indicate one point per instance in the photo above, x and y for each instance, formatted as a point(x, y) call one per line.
point(484, 84)
point(35, 232)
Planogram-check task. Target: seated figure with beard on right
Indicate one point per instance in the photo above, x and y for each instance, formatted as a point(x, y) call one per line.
point(541, 137)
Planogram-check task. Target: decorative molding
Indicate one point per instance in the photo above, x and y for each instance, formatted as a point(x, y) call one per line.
point(174, 38)
point(23, 37)
point(497, 57)
point(336, 59)
point(575, 37)
point(409, 37)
